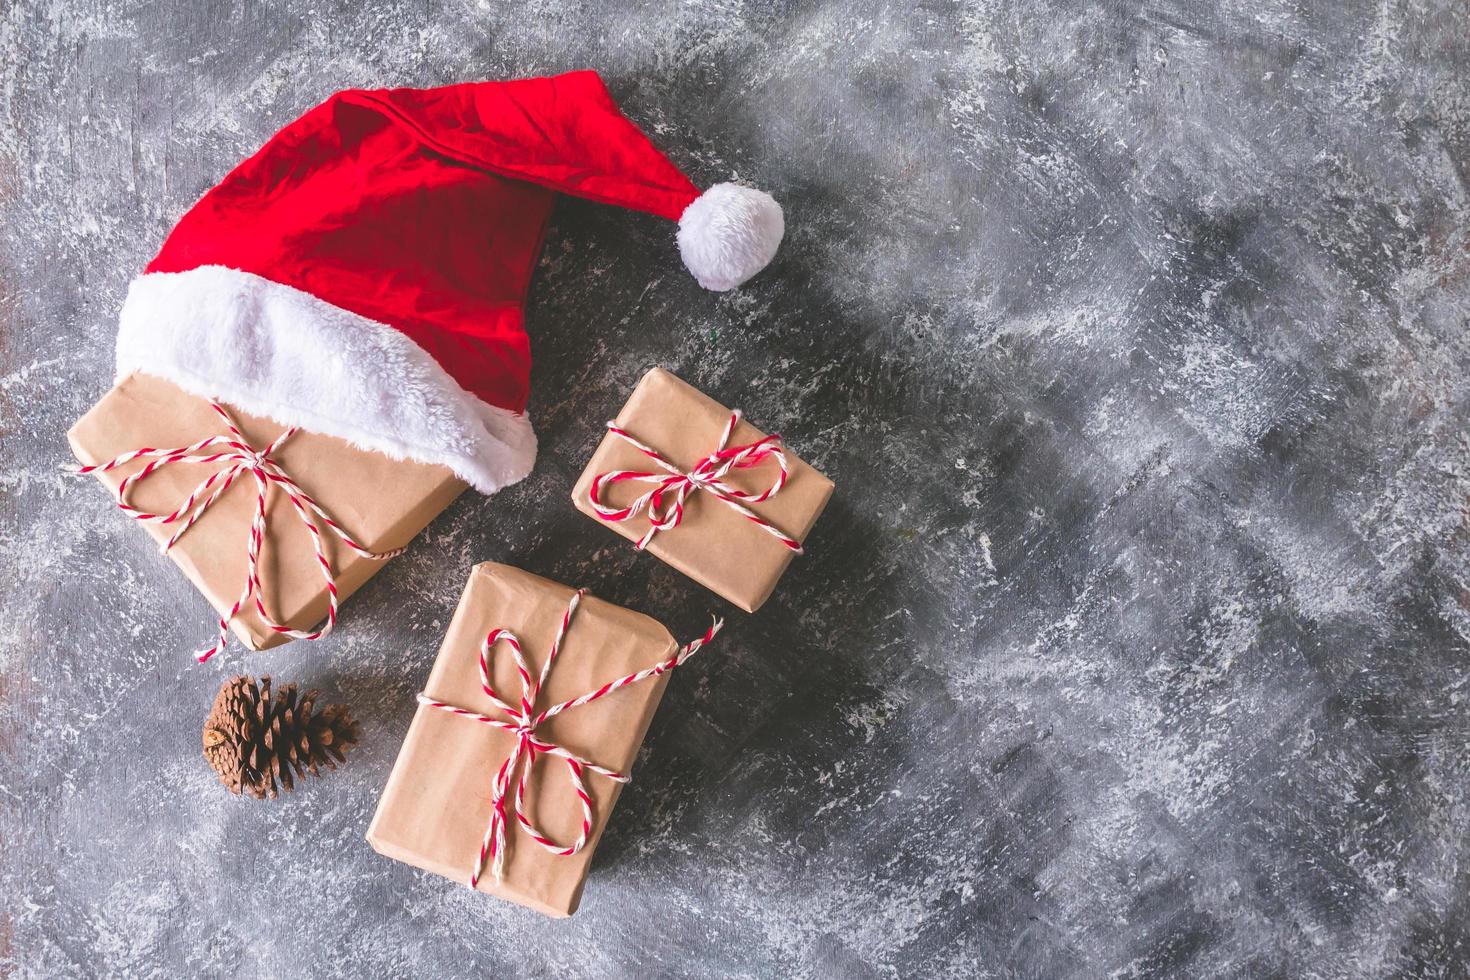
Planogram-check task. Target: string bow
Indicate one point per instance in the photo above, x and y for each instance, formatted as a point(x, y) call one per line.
point(523, 721)
point(239, 458)
point(671, 488)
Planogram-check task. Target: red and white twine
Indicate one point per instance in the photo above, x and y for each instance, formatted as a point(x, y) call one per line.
point(239, 458)
point(522, 721)
point(665, 501)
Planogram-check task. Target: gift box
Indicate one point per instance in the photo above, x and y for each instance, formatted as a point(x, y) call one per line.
point(462, 759)
point(381, 503)
point(690, 481)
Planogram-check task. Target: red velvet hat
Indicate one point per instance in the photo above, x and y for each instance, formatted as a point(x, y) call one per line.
point(364, 274)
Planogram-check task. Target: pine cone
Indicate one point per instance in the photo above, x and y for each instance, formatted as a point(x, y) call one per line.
point(252, 742)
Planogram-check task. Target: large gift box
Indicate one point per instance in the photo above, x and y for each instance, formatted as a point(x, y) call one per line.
point(693, 483)
point(474, 756)
point(378, 502)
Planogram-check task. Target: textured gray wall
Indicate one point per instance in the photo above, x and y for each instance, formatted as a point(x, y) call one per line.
point(1133, 644)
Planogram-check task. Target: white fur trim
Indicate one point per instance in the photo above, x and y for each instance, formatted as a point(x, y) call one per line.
point(276, 351)
point(729, 234)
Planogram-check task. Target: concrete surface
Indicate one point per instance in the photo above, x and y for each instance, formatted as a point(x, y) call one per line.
point(1133, 645)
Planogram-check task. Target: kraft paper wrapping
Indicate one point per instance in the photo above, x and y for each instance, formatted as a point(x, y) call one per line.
point(381, 502)
point(436, 805)
point(713, 545)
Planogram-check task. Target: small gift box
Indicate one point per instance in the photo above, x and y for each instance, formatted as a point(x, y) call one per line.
point(692, 482)
point(331, 512)
point(532, 715)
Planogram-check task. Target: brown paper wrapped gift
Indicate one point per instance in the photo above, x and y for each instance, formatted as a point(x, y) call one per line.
point(714, 544)
point(381, 502)
point(437, 803)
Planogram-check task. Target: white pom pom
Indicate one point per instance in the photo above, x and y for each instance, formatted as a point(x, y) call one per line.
point(729, 234)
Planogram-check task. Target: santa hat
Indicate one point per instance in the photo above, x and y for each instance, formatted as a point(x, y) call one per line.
point(364, 274)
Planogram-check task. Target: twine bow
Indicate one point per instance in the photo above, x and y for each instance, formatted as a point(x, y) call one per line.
point(239, 458)
point(522, 721)
point(665, 501)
